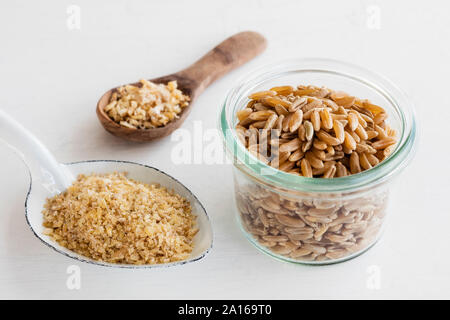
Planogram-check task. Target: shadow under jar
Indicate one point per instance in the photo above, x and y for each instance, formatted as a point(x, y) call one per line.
point(315, 220)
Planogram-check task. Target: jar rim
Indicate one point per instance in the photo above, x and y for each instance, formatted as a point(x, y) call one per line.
point(385, 170)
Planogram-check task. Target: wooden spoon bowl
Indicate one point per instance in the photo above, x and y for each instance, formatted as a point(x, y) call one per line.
point(192, 81)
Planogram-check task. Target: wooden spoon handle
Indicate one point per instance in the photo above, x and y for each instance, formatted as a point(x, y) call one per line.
point(228, 55)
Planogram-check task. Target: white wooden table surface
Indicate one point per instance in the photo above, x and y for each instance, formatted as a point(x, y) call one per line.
point(52, 73)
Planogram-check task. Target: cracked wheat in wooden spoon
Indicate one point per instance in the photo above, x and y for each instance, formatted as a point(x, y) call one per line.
point(190, 82)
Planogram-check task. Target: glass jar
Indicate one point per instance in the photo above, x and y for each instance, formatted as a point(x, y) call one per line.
point(315, 220)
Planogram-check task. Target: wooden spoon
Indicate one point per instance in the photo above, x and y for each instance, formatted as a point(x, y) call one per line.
point(228, 55)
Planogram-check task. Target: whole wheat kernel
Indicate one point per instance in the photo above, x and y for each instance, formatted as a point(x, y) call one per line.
point(319, 124)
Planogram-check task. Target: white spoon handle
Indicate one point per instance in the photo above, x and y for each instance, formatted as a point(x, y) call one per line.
point(44, 169)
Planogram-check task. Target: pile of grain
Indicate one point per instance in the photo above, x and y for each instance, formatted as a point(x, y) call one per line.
point(115, 219)
point(146, 106)
point(315, 132)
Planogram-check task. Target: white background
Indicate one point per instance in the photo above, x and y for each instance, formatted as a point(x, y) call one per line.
point(51, 78)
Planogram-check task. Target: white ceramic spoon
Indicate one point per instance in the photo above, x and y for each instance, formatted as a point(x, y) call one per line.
point(48, 177)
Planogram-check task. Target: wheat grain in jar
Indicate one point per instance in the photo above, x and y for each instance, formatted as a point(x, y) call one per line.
point(312, 175)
